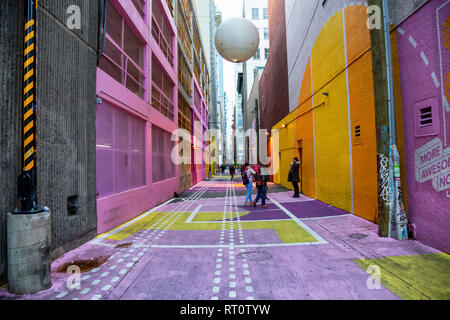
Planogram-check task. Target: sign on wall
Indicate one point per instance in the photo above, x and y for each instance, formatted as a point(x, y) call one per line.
point(433, 163)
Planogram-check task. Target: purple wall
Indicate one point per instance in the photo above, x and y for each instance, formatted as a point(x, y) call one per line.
point(424, 58)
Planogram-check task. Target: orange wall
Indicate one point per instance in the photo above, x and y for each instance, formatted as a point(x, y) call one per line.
point(364, 149)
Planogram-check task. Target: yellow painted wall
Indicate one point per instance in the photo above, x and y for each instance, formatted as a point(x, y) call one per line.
point(362, 103)
point(304, 132)
point(331, 119)
point(333, 159)
point(287, 151)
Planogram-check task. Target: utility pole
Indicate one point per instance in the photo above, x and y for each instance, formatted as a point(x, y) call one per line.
point(390, 207)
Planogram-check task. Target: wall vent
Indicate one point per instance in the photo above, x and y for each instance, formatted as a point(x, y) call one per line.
point(357, 131)
point(426, 117)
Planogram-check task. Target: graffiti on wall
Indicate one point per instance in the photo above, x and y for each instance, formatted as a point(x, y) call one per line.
point(433, 164)
point(384, 176)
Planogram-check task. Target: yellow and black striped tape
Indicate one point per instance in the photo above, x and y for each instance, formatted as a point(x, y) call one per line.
point(29, 119)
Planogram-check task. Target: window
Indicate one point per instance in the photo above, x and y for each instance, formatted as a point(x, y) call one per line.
point(266, 33)
point(426, 118)
point(162, 90)
point(120, 150)
point(257, 55)
point(163, 167)
point(123, 58)
point(140, 6)
point(255, 73)
point(266, 53)
point(255, 13)
point(161, 31)
point(265, 13)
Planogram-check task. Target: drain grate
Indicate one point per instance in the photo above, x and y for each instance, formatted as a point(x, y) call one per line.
point(255, 256)
point(358, 236)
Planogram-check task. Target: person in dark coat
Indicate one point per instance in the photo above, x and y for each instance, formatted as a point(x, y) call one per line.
point(232, 171)
point(294, 176)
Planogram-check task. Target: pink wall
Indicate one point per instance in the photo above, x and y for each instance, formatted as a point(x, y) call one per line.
point(424, 65)
point(113, 210)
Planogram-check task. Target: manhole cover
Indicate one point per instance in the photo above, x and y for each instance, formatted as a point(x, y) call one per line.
point(84, 265)
point(255, 256)
point(357, 236)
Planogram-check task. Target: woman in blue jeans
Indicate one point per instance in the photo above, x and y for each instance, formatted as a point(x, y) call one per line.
point(248, 178)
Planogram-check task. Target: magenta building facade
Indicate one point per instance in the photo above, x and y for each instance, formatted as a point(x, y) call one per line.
point(424, 63)
point(137, 84)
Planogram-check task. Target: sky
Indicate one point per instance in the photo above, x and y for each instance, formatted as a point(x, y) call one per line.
point(229, 9)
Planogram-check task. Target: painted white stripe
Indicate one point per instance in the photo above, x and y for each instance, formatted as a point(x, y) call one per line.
point(329, 217)
point(424, 58)
point(193, 214)
point(314, 128)
point(171, 214)
point(266, 245)
point(300, 223)
point(401, 31)
point(413, 42)
point(435, 79)
point(349, 117)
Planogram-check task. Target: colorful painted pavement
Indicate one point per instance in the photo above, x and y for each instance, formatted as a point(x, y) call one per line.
point(209, 248)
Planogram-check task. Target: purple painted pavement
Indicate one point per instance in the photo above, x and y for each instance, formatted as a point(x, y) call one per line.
point(271, 269)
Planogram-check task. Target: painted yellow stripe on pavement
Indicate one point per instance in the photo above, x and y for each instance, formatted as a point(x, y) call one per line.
point(288, 231)
point(416, 277)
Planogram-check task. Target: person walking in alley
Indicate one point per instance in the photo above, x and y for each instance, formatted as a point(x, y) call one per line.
point(294, 176)
point(248, 175)
point(232, 171)
point(261, 179)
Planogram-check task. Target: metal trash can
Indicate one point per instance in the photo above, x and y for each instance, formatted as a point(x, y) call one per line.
point(28, 252)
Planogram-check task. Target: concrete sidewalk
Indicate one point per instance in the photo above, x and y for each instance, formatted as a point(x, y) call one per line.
point(206, 245)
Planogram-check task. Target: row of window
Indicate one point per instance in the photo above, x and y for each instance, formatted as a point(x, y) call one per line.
point(255, 13)
point(257, 55)
point(121, 151)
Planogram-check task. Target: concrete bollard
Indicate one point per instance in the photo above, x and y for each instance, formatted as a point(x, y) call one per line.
point(28, 252)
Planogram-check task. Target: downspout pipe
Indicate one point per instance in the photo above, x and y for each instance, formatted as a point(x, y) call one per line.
point(397, 216)
point(390, 76)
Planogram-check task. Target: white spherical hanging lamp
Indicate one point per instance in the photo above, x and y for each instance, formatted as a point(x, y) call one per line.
point(237, 39)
